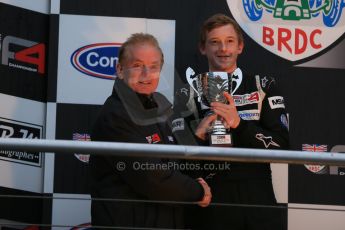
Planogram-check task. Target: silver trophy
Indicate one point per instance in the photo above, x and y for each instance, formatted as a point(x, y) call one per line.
point(210, 87)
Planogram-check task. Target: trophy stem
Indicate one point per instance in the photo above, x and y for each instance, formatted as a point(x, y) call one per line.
point(218, 127)
point(219, 136)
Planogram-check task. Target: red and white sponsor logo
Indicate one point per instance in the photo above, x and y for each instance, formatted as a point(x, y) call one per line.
point(246, 99)
point(153, 139)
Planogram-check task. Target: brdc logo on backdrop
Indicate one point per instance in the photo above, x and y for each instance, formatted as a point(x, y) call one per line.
point(291, 29)
point(97, 60)
point(22, 54)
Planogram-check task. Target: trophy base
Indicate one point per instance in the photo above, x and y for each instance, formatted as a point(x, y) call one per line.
point(221, 140)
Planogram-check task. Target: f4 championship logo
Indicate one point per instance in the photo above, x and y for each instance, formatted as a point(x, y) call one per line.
point(23, 54)
point(291, 29)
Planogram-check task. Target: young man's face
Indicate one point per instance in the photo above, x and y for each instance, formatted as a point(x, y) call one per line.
point(222, 48)
point(141, 68)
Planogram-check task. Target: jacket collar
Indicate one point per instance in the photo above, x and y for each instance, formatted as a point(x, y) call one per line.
point(142, 109)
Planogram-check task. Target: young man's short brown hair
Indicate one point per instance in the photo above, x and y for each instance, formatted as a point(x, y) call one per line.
point(216, 21)
point(139, 38)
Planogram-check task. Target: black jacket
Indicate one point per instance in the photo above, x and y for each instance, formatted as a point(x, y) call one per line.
point(130, 117)
point(264, 121)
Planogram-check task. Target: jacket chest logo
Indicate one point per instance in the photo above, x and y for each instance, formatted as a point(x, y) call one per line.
point(246, 99)
point(266, 140)
point(153, 139)
point(276, 102)
point(253, 114)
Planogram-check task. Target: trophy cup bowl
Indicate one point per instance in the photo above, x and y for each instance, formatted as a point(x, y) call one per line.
point(210, 87)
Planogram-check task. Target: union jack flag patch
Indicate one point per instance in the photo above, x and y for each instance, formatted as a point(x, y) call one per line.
point(314, 148)
point(318, 169)
point(81, 137)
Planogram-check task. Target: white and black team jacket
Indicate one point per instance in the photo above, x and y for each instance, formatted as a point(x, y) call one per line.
point(264, 121)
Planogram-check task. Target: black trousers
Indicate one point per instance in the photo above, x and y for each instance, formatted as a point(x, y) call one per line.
point(246, 204)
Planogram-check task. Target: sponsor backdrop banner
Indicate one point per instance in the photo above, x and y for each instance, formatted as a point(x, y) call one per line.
point(23, 79)
point(300, 43)
point(88, 55)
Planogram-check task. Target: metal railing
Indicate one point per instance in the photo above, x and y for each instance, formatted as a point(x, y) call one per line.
point(167, 151)
point(173, 151)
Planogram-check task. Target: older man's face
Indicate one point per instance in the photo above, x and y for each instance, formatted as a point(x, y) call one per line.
point(141, 68)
